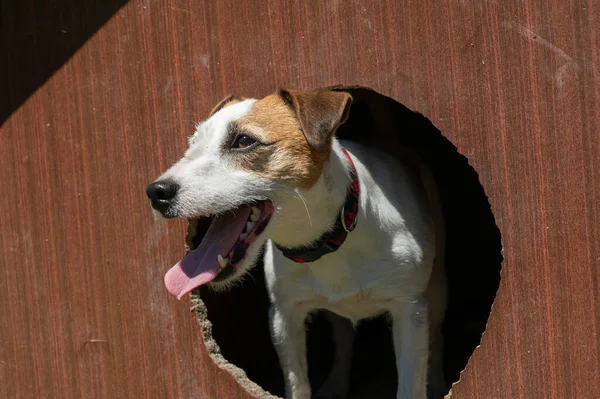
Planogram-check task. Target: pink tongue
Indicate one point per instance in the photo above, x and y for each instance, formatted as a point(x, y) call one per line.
point(200, 266)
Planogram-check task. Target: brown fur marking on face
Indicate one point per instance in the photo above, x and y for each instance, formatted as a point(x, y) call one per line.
point(286, 156)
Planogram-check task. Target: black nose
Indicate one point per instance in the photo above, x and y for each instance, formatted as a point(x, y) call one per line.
point(161, 193)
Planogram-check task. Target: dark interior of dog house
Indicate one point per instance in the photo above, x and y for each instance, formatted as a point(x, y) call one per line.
point(499, 99)
point(473, 262)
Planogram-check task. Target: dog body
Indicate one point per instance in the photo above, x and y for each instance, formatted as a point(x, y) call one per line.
point(392, 262)
point(384, 266)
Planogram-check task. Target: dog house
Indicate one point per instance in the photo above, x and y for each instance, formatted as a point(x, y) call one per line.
point(99, 97)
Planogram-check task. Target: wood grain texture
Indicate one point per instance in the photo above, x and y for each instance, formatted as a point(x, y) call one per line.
point(514, 84)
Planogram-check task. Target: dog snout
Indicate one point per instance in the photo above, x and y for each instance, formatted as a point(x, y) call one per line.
point(161, 194)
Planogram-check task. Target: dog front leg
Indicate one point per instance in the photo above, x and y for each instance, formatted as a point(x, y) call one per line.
point(289, 338)
point(411, 344)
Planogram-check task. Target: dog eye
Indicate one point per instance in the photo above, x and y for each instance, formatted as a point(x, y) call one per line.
point(243, 141)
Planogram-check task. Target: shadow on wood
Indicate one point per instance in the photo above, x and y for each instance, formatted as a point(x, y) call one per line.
point(38, 37)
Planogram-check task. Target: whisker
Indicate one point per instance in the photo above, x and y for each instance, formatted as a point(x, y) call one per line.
point(305, 206)
point(296, 193)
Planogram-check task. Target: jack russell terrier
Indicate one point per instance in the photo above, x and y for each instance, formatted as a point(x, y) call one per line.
point(345, 228)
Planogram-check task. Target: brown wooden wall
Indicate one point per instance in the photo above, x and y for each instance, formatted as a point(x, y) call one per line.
point(83, 310)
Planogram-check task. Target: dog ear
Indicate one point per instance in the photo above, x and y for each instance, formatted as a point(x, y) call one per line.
point(320, 113)
point(223, 103)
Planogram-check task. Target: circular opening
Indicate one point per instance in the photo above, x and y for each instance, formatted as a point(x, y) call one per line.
point(239, 318)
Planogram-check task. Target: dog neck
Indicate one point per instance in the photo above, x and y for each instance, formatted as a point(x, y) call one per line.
point(307, 214)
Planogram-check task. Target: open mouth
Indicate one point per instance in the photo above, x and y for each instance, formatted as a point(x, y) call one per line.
point(222, 249)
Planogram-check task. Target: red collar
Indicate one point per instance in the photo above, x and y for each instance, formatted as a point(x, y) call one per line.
point(332, 240)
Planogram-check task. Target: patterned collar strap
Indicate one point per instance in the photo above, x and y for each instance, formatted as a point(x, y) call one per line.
point(332, 240)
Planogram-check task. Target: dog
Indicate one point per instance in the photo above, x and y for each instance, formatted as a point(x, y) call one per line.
point(343, 228)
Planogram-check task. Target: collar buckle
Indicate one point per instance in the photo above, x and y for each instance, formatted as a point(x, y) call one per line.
point(343, 220)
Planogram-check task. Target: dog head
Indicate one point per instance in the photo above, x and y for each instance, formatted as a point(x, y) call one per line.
point(242, 165)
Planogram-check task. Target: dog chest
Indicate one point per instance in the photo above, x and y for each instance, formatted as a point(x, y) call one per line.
point(338, 287)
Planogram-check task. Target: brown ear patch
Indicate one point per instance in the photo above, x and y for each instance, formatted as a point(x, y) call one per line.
point(229, 100)
point(320, 113)
point(286, 156)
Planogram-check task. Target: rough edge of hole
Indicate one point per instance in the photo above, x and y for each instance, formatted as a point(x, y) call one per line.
point(501, 271)
point(449, 394)
point(198, 306)
point(212, 347)
point(483, 334)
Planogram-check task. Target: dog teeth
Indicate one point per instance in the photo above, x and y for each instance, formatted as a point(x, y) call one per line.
point(255, 214)
point(222, 261)
point(243, 235)
point(249, 226)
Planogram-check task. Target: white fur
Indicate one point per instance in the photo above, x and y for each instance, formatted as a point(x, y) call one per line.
point(383, 266)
